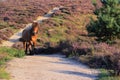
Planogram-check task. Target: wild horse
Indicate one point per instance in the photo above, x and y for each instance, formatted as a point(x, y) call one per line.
point(29, 37)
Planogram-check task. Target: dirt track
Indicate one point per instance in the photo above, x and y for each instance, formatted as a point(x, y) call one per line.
point(49, 67)
point(46, 67)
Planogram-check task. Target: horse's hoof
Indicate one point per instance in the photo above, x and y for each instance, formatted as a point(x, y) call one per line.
point(26, 53)
point(31, 53)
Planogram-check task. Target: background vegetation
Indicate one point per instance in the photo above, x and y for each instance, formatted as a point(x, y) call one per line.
point(70, 31)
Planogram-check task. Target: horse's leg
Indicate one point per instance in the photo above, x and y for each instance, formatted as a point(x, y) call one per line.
point(25, 47)
point(34, 44)
point(31, 48)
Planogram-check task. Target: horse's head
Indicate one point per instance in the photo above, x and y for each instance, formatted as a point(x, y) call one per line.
point(35, 27)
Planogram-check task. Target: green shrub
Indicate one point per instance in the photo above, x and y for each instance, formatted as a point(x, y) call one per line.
point(12, 52)
point(94, 2)
point(107, 25)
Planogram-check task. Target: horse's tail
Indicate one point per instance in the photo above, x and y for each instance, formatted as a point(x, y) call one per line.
point(21, 39)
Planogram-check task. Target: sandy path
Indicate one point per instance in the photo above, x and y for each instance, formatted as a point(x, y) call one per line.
point(49, 67)
point(46, 67)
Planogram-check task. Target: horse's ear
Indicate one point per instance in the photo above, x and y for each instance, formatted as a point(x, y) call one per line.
point(34, 24)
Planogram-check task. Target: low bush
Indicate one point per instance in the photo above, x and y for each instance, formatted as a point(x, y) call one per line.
point(97, 55)
point(103, 56)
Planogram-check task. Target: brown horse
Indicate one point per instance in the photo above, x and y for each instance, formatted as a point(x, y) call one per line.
point(29, 37)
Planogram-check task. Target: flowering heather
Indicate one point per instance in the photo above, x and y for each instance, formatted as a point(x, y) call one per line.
point(105, 49)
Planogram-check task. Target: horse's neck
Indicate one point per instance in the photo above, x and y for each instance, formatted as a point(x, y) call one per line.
point(29, 27)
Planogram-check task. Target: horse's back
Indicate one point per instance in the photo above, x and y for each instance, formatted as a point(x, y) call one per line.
point(26, 33)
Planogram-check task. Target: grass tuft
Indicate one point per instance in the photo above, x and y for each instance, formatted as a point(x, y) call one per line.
point(12, 52)
point(4, 74)
point(105, 75)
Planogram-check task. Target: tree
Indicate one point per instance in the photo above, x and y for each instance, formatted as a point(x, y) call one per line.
point(107, 25)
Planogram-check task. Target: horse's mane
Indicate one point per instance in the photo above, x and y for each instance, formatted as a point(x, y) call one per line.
point(28, 27)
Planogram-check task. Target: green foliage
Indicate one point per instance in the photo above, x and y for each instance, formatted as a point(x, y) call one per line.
point(107, 25)
point(94, 2)
point(3, 73)
point(105, 75)
point(12, 52)
point(4, 59)
point(3, 24)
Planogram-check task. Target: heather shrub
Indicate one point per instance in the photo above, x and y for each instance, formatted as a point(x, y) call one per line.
point(65, 47)
point(115, 63)
point(110, 62)
point(18, 45)
point(82, 48)
point(104, 49)
point(106, 56)
point(5, 33)
point(74, 48)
